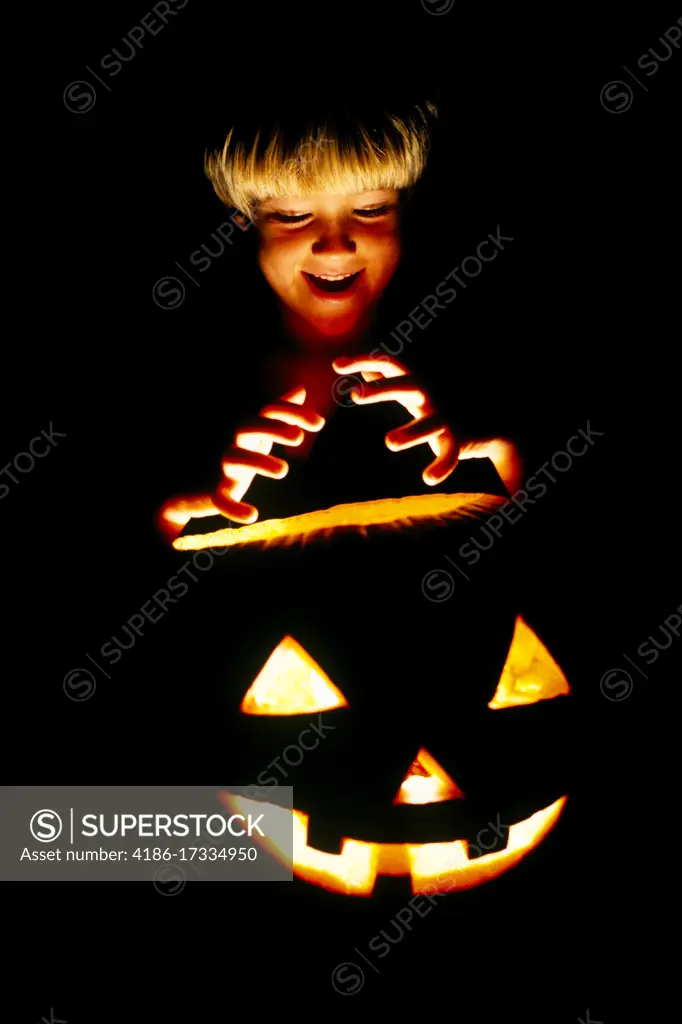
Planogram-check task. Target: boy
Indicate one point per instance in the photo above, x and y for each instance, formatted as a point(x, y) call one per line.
point(326, 198)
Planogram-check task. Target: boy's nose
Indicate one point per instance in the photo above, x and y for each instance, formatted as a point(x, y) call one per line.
point(334, 241)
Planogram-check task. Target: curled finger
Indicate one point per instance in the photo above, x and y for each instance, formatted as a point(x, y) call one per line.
point(445, 461)
point(265, 465)
point(231, 508)
point(303, 416)
point(263, 431)
point(384, 365)
point(404, 390)
point(415, 432)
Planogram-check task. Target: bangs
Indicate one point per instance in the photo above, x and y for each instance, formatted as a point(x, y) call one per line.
point(341, 156)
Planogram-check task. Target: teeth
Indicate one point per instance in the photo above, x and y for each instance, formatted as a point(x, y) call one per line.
point(332, 277)
point(495, 841)
point(322, 837)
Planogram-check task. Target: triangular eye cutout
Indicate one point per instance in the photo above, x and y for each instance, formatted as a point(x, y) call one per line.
point(530, 672)
point(291, 683)
point(427, 783)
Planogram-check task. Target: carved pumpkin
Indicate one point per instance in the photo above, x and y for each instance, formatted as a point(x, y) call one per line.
point(419, 760)
point(291, 683)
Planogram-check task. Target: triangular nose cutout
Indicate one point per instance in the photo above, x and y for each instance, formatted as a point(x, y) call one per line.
point(427, 783)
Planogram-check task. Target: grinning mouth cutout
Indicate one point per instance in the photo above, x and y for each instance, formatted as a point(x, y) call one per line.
point(332, 284)
point(431, 867)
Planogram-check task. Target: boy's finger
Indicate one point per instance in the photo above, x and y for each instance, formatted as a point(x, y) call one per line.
point(442, 467)
point(295, 415)
point(403, 385)
point(415, 432)
point(406, 392)
point(237, 511)
point(265, 465)
point(372, 364)
point(263, 429)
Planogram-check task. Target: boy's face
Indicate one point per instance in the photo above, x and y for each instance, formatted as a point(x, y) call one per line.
point(329, 257)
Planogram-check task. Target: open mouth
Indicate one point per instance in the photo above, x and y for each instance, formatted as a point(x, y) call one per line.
point(332, 284)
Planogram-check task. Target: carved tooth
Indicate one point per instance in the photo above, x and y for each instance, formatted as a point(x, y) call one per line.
point(490, 839)
point(323, 838)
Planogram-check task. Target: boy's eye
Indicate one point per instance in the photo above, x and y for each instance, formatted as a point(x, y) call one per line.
point(378, 211)
point(298, 218)
point(288, 218)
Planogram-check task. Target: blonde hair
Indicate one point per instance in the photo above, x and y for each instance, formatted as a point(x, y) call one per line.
point(344, 156)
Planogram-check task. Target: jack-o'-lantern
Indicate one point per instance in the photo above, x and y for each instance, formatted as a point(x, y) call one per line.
point(291, 683)
point(442, 763)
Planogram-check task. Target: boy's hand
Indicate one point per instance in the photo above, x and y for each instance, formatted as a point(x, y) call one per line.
point(390, 381)
point(283, 422)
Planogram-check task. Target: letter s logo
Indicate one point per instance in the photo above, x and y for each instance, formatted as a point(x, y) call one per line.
point(46, 826)
point(438, 585)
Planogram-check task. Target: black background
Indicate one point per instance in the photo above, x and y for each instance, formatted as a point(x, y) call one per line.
point(573, 322)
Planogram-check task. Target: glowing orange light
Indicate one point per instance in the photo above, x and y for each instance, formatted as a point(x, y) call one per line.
point(530, 672)
point(427, 783)
point(291, 683)
point(385, 512)
point(432, 867)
